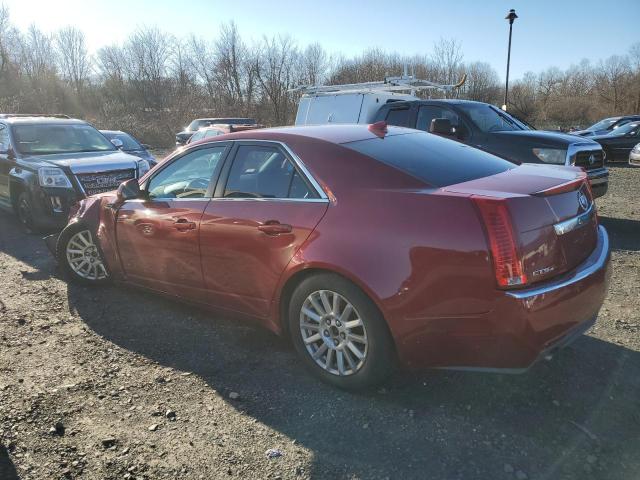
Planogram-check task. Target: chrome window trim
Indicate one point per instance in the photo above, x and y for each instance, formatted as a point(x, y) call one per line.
point(575, 222)
point(168, 199)
point(268, 199)
point(596, 262)
point(574, 148)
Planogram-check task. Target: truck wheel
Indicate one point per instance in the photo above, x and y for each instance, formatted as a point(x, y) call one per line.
point(24, 210)
point(340, 334)
point(80, 256)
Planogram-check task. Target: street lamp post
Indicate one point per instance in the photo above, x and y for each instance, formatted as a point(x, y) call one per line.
point(511, 16)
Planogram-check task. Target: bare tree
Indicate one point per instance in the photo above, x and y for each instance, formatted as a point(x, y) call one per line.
point(447, 60)
point(274, 69)
point(482, 82)
point(37, 56)
point(73, 60)
point(610, 79)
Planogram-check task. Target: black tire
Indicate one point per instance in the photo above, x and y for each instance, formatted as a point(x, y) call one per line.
point(380, 360)
point(24, 211)
point(64, 239)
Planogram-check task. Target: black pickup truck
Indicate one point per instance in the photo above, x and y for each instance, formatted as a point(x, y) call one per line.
point(488, 128)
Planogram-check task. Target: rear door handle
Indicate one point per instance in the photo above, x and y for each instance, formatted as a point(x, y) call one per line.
point(182, 224)
point(274, 227)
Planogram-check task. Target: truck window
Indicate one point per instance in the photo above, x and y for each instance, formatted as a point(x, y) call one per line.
point(426, 113)
point(398, 117)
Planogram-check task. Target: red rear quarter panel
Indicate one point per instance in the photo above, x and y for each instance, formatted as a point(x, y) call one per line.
point(419, 254)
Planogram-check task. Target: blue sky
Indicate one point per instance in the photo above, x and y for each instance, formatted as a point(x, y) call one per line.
point(548, 33)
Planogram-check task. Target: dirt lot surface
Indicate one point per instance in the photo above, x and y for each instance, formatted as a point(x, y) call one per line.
point(113, 383)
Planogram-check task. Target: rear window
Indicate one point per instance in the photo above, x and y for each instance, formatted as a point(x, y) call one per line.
point(434, 160)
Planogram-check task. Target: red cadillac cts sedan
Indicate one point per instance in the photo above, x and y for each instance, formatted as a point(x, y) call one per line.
point(370, 247)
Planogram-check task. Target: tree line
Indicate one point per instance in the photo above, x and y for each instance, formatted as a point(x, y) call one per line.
point(154, 83)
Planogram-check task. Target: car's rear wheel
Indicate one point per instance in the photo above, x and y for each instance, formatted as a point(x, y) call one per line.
point(339, 333)
point(80, 256)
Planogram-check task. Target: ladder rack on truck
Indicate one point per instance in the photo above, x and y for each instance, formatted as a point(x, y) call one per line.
point(359, 102)
point(389, 84)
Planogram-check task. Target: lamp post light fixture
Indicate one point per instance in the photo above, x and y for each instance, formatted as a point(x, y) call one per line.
point(511, 16)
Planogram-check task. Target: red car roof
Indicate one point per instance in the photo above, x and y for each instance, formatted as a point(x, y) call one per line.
point(330, 133)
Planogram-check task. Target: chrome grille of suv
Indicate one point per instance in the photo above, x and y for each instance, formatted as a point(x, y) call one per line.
point(93, 183)
point(590, 159)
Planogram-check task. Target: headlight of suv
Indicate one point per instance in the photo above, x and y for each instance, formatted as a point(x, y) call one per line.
point(53, 177)
point(636, 149)
point(143, 167)
point(555, 156)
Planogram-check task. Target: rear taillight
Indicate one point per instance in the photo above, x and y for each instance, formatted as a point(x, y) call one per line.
point(506, 261)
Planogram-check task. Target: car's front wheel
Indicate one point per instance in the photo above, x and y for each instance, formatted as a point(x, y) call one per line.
point(24, 210)
point(339, 333)
point(80, 256)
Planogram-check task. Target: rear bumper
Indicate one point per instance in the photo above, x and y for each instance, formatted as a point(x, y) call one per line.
point(523, 326)
point(599, 180)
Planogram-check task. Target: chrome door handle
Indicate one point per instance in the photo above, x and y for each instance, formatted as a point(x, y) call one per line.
point(273, 227)
point(183, 225)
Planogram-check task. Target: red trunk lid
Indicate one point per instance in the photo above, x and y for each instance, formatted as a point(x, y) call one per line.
point(552, 215)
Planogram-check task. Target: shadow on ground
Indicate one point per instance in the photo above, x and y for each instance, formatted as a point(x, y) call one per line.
point(624, 233)
point(452, 425)
point(7, 470)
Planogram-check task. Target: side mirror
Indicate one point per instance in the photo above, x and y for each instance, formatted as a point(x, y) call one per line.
point(129, 190)
point(441, 126)
point(117, 142)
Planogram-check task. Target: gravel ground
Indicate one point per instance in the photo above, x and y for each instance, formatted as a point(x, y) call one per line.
point(113, 384)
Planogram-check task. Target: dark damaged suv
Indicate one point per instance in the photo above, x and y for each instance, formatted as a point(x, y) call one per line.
point(488, 128)
point(48, 163)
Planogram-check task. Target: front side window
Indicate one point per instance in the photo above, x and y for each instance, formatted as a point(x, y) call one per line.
point(265, 172)
point(187, 177)
point(44, 139)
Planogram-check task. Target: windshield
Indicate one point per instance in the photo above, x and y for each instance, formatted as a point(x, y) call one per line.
point(603, 124)
point(489, 119)
point(42, 139)
point(623, 130)
point(128, 142)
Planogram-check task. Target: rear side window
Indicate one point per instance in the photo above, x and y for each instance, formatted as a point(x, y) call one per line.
point(265, 172)
point(434, 160)
point(398, 117)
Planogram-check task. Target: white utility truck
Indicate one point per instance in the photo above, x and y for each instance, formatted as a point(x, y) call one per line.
point(359, 102)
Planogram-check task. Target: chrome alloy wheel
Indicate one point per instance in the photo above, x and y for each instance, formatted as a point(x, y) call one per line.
point(333, 333)
point(84, 258)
